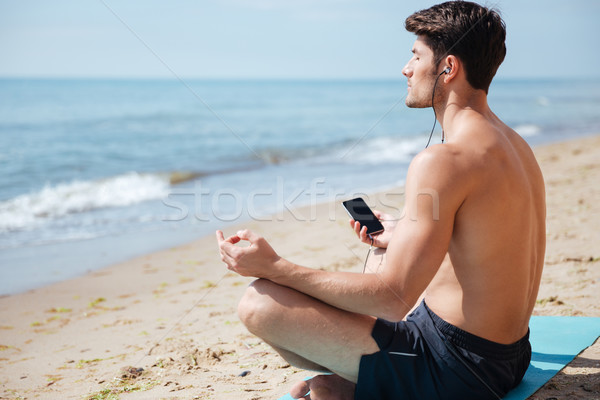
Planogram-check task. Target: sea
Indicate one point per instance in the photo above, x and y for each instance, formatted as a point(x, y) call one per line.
point(96, 171)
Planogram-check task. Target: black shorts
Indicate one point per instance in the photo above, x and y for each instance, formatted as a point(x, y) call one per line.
point(425, 357)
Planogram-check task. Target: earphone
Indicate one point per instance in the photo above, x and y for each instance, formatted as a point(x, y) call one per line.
point(446, 71)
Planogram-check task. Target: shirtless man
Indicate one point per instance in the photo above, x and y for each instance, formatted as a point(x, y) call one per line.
point(475, 248)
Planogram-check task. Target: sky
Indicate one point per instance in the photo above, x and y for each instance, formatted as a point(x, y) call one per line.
point(271, 39)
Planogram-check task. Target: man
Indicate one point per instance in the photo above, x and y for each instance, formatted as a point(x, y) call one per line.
point(473, 241)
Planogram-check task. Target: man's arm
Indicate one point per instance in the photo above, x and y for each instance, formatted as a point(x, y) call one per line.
point(435, 189)
point(416, 250)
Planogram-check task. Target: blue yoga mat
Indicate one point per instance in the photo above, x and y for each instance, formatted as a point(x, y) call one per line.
point(555, 342)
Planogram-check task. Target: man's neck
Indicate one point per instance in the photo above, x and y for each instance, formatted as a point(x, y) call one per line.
point(457, 104)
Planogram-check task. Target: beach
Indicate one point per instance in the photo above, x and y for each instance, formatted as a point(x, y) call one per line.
point(164, 325)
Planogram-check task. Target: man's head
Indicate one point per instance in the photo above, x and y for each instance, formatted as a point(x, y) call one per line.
point(472, 33)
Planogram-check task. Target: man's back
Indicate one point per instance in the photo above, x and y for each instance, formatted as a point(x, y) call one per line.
point(488, 282)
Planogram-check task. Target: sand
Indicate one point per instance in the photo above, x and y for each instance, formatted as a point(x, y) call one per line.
point(164, 325)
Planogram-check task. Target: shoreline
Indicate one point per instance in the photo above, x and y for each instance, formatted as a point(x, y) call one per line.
point(87, 255)
point(172, 312)
point(132, 246)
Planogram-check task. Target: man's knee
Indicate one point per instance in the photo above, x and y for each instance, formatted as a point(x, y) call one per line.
point(253, 307)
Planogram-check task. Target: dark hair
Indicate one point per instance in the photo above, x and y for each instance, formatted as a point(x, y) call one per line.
point(473, 33)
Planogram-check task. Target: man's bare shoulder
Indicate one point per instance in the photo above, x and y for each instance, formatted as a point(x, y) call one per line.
point(442, 166)
point(439, 171)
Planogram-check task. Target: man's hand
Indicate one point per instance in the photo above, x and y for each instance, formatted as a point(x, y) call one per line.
point(382, 239)
point(258, 259)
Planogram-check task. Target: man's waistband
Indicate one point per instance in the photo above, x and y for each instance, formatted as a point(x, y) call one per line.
point(475, 344)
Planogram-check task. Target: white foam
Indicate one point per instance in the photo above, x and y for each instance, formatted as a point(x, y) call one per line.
point(29, 210)
point(527, 129)
point(386, 150)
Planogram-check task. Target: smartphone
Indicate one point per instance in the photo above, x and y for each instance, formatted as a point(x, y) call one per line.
point(360, 211)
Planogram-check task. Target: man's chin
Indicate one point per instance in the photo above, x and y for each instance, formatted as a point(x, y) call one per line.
point(412, 104)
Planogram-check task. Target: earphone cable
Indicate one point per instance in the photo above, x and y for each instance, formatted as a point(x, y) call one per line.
point(434, 114)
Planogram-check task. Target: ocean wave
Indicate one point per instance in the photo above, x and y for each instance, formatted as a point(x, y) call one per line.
point(384, 150)
point(29, 210)
point(367, 151)
point(527, 129)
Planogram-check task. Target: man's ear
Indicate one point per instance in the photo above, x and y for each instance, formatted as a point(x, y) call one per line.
point(453, 66)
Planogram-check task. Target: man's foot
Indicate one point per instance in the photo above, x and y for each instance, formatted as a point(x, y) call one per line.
point(324, 387)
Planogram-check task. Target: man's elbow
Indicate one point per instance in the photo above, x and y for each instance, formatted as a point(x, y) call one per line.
point(395, 299)
point(395, 309)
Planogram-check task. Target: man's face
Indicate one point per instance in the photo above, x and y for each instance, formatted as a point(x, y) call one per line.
point(421, 75)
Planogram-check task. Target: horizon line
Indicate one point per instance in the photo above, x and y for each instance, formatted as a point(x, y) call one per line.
point(257, 79)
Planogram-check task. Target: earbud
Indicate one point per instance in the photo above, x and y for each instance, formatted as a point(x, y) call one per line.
point(447, 70)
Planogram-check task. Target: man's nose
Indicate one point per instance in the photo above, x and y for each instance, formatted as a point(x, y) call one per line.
point(407, 71)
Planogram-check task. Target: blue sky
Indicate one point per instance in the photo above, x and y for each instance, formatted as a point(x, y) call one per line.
point(270, 38)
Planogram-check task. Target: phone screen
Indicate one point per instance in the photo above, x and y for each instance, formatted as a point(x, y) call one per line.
point(360, 211)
